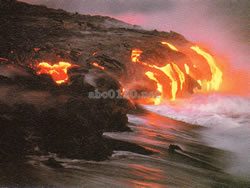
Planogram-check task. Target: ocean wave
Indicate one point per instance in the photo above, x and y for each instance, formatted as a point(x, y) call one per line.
point(208, 110)
point(227, 119)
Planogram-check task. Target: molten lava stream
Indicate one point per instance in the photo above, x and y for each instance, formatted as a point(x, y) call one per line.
point(216, 81)
point(168, 71)
point(135, 55)
point(58, 72)
point(95, 64)
point(171, 46)
point(208, 78)
point(180, 74)
point(158, 99)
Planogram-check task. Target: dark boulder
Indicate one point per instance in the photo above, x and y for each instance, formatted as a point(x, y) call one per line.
point(51, 162)
point(172, 148)
point(12, 140)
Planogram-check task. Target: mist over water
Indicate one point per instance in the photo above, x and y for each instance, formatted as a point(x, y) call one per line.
point(227, 120)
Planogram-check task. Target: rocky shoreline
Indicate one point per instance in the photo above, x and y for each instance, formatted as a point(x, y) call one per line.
point(37, 116)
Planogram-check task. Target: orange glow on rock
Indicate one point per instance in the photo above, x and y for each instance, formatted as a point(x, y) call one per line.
point(168, 71)
point(58, 72)
point(151, 76)
point(171, 46)
point(180, 74)
point(187, 69)
point(136, 53)
point(216, 81)
point(95, 64)
point(207, 79)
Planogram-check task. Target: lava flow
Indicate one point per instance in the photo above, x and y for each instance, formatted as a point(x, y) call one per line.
point(136, 53)
point(180, 74)
point(58, 72)
point(171, 46)
point(151, 76)
point(95, 64)
point(215, 82)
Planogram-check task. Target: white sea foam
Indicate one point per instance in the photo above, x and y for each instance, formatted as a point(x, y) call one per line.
point(210, 111)
point(227, 119)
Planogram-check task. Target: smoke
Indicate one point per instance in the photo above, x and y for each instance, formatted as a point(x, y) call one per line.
point(114, 7)
point(221, 25)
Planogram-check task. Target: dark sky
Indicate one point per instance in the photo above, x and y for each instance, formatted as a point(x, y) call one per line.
point(222, 24)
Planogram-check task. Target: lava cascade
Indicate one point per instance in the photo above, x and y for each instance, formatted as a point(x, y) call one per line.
point(178, 75)
point(151, 76)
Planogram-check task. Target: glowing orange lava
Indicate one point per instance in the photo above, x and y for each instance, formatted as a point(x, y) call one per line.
point(98, 66)
point(216, 81)
point(167, 69)
point(187, 69)
point(178, 74)
point(58, 72)
point(136, 55)
point(171, 46)
point(151, 76)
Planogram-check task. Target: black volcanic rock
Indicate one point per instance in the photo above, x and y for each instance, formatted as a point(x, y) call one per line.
point(51, 162)
point(7, 4)
point(37, 116)
point(12, 140)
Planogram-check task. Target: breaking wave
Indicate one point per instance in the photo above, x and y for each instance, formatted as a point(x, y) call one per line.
point(227, 122)
point(208, 110)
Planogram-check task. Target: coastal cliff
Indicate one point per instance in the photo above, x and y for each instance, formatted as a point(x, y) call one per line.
point(38, 116)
